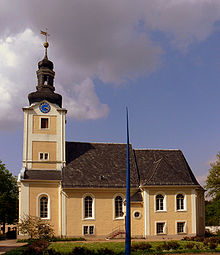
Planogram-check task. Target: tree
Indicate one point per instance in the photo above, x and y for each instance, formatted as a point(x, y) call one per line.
point(212, 208)
point(8, 197)
point(35, 227)
point(213, 179)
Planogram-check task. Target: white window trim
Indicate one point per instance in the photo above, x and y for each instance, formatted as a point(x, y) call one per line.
point(184, 202)
point(44, 156)
point(123, 207)
point(43, 117)
point(88, 227)
point(164, 229)
point(185, 227)
point(93, 206)
point(137, 218)
point(38, 206)
point(164, 204)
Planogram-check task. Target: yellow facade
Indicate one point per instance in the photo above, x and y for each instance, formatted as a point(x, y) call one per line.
point(104, 220)
point(52, 127)
point(51, 190)
point(44, 147)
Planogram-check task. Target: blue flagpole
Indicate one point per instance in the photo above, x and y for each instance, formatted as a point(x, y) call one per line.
point(128, 210)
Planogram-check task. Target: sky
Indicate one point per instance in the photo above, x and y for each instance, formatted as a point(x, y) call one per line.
point(160, 58)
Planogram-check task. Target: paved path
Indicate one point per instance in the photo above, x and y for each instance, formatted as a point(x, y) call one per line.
point(7, 245)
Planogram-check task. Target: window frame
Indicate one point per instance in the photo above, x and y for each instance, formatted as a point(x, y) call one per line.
point(164, 227)
point(114, 207)
point(44, 117)
point(137, 211)
point(93, 206)
point(164, 202)
point(184, 202)
point(38, 207)
point(184, 228)
point(88, 226)
point(44, 153)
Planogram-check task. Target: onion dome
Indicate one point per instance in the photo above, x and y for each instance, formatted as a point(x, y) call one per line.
point(45, 87)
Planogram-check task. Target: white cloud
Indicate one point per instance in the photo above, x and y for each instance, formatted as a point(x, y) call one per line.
point(90, 39)
point(83, 102)
point(18, 56)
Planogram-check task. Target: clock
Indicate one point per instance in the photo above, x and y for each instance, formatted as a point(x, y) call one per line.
point(44, 107)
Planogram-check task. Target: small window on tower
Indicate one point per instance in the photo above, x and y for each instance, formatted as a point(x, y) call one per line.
point(41, 156)
point(44, 123)
point(46, 156)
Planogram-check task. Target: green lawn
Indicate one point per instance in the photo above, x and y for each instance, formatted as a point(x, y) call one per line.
point(117, 247)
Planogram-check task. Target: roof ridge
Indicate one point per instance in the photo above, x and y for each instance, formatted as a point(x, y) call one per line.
point(149, 149)
point(97, 142)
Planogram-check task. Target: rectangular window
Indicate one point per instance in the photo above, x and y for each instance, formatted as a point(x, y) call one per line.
point(180, 227)
point(44, 123)
point(88, 230)
point(160, 227)
point(85, 230)
point(44, 155)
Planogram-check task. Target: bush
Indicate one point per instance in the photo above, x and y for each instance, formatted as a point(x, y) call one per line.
point(82, 251)
point(2, 236)
point(105, 251)
point(189, 246)
point(213, 246)
point(35, 227)
point(172, 245)
point(141, 246)
point(37, 248)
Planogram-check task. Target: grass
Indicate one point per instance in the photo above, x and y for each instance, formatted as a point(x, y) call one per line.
point(118, 247)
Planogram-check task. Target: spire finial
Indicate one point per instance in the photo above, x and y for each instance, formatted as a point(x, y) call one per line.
point(46, 44)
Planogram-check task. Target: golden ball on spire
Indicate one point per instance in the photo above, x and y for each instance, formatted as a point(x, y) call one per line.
point(46, 44)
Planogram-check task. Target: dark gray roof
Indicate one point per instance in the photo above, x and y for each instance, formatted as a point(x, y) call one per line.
point(105, 164)
point(42, 175)
point(137, 197)
point(163, 167)
point(97, 165)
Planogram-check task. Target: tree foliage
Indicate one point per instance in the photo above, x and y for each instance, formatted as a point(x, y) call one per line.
point(8, 197)
point(212, 208)
point(213, 179)
point(35, 227)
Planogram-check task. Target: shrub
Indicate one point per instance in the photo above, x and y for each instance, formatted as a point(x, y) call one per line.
point(172, 245)
point(213, 246)
point(189, 246)
point(82, 251)
point(53, 252)
point(141, 246)
point(105, 251)
point(35, 227)
point(37, 248)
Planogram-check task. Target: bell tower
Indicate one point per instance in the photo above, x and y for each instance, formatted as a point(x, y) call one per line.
point(44, 123)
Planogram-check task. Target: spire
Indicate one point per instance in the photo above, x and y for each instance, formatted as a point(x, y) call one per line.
point(45, 76)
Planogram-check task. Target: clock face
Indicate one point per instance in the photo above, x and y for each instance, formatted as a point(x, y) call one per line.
point(44, 107)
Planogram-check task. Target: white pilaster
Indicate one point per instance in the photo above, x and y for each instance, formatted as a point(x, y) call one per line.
point(24, 203)
point(63, 214)
point(193, 199)
point(146, 213)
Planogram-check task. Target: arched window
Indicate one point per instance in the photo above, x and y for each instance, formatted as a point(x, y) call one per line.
point(44, 207)
point(180, 202)
point(88, 210)
point(160, 202)
point(118, 207)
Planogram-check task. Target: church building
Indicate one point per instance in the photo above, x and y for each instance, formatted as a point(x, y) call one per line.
point(80, 187)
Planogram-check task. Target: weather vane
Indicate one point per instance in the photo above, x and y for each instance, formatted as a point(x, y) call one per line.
point(45, 33)
point(46, 44)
